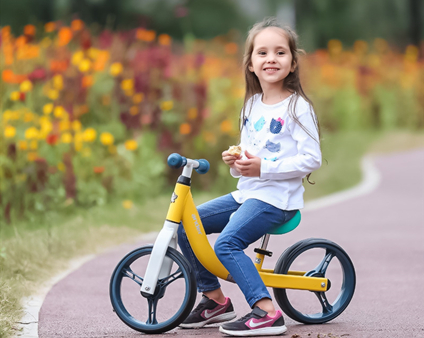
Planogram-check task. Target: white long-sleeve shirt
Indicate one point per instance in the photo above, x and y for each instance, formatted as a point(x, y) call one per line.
point(287, 152)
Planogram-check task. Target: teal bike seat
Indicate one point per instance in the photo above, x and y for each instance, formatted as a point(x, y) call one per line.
point(288, 226)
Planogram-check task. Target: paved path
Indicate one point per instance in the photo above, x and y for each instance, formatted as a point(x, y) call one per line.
point(383, 232)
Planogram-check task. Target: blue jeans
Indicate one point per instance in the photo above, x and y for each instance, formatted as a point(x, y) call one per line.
point(251, 221)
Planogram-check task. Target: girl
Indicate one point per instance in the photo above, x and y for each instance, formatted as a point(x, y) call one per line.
point(280, 140)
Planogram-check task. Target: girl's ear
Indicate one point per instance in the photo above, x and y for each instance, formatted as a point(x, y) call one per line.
point(293, 67)
point(251, 68)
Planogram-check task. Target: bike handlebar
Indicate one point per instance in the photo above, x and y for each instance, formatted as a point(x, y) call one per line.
point(177, 161)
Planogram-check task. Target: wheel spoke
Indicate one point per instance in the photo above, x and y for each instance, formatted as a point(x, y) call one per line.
point(326, 306)
point(127, 272)
point(164, 282)
point(153, 303)
point(322, 267)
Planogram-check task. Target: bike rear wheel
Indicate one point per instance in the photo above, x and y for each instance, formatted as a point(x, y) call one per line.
point(171, 302)
point(330, 261)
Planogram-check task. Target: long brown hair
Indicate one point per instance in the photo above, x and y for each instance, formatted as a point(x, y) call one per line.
point(290, 83)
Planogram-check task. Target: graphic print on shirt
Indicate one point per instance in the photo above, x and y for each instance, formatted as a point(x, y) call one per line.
point(260, 124)
point(273, 159)
point(276, 125)
point(273, 147)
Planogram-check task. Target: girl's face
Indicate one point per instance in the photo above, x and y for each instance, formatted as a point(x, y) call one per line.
point(271, 59)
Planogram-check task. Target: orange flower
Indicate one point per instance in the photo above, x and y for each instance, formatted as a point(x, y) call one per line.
point(98, 170)
point(87, 81)
point(49, 27)
point(185, 129)
point(20, 41)
point(164, 39)
point(77, 25)
point(226, 126)
point(65, 36)
point(231, 48)
point(9, 77)
point(29, 30)
point(145, 35)
point(58, 66)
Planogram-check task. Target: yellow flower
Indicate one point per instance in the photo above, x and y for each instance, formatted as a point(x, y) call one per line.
point(89, 135)
point(77, 58)
point(78, 146)
point(138, 98)
point(22, 145)
point(61, 166)
point(25, 86)
point(32, 156)
point(59, 112)
point(58, 82)
point(66, 138)
point(33, 145)
point(14, 96)
point(192, 113)
point(52, 94)
point(76, 125)
point(116, 69)
point(45, 124)
point(48, 108)
point(107, 138)
point(28, 116)
point(9, 132)
point(131, 145)
point(127, 84)
point(31, 133)
point(167, 105)
point(127, 204)
point(84, 65)
point(64, 125)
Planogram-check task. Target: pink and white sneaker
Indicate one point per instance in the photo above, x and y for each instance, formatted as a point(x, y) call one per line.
point(209, 312)
point(256, 323)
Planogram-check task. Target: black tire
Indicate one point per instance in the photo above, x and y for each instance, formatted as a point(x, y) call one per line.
point(303, 306)
point(142, 312)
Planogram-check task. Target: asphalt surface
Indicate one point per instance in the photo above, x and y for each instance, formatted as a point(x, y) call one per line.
point(382, 231)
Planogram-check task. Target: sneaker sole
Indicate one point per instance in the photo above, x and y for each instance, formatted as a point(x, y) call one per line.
point(225, 317)
point(266, 331)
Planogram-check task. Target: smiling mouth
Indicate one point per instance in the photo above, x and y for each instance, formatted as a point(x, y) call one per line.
point(271, 69)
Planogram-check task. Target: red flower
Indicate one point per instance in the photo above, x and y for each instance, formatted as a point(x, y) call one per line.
point(52, 139)
point(37, 74)
point(22, 96)
point(98, 170)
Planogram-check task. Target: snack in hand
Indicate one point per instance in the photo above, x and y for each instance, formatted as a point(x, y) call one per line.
point(235, 150)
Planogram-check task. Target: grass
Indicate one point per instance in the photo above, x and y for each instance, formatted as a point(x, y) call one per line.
point(31, 254)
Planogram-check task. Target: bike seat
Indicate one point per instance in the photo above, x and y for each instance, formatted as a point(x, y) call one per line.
point(288, 226)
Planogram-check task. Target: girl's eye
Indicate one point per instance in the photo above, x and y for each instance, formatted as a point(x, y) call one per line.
point(261, 53)
point(280, 53)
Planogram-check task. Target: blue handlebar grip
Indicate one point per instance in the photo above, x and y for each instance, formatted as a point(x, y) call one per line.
point(176, 161)
point(203, 167)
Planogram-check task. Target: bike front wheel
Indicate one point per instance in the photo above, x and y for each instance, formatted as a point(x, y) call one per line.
point(331, 262)
point(171, 302)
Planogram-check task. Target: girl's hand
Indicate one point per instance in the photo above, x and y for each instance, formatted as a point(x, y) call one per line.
point(229, 159)
point(250, 167)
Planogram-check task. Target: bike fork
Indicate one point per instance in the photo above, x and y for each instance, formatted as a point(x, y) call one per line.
point(160, 266)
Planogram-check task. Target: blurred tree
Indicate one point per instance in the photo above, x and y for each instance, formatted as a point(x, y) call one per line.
point(397, 21)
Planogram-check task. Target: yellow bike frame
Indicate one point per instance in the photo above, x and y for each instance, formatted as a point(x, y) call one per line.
point(183, 209)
